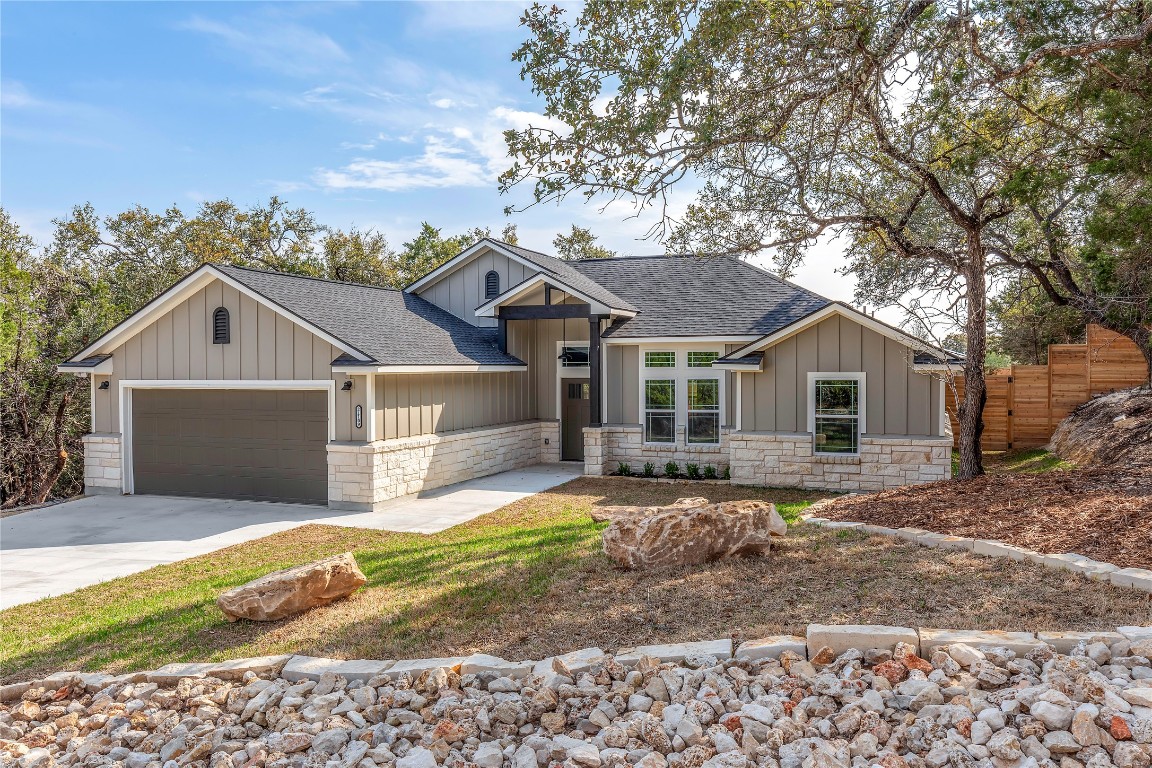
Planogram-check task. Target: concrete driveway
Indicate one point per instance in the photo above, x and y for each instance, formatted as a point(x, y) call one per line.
point(61, 548)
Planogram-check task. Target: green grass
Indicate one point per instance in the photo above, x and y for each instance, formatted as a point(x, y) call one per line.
point(1021, 461)
point(423, 590)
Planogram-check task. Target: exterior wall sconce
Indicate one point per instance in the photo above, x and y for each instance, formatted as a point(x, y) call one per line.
point(103, 385)
point(347, 387)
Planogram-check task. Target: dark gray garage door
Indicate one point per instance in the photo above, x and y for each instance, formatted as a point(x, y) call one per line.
point(267, 445)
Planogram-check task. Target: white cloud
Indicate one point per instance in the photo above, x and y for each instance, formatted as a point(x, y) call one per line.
point(440, 16)
point(440, 165)
point(285, 47)
point(13, 95)
point(444, 103)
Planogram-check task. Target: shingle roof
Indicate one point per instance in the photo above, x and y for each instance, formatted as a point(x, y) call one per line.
point(88, 362)
point(699, 296)
point(390, 326)
point(573, 278)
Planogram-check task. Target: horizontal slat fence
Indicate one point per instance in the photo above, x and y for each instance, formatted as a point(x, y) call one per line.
point(1026, 402)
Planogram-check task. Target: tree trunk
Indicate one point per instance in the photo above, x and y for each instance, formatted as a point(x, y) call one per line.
point(975, 391)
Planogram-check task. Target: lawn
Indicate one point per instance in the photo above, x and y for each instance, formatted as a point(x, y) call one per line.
point(529, 580)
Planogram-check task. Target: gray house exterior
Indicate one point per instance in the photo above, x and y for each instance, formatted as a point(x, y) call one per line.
point(241, 383)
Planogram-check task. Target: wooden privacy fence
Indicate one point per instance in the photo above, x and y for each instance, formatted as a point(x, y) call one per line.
point(1026, 402)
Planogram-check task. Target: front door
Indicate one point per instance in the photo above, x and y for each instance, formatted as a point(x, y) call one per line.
point(575, 414)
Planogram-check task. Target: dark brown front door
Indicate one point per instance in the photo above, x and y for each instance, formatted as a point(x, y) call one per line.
point(576, 413)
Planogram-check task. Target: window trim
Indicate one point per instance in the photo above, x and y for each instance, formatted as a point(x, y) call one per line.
point(862, 383)
point(645, 410)
point(689, 410)
point(681, 374)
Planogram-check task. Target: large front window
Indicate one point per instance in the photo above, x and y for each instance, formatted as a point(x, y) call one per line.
point(679, 388)
point(836, 413)
point(660, 411)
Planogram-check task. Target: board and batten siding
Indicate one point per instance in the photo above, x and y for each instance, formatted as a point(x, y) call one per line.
point(264, 345)
point(898, 400)
point(462, 290)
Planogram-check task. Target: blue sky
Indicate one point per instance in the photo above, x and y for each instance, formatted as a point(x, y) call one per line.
point(373, 115)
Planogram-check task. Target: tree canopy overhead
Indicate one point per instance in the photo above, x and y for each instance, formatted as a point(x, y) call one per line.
point(907, 128)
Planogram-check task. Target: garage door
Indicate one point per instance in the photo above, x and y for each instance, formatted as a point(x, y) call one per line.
point(267, 445)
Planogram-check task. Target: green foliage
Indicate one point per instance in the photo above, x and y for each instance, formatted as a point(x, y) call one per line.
point(624, 469)
point(1025, 321)
point(649, 469)
point(709, 472)
point(727, 473)
point(672, 469)
point(692, 471)
point(580, 243)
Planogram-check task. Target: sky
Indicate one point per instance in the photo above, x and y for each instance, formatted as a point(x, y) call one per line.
point(376, 115)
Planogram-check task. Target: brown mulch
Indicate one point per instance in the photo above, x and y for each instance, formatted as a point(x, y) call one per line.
point(1104, 514)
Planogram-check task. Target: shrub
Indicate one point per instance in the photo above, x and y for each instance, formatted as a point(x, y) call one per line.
point(709, 472)
point(727, 473)
point(671, 469)
point(693, 471)
point(649, 469)
point(624, 469)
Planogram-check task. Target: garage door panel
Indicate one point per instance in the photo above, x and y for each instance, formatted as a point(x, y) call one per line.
point(247, 444)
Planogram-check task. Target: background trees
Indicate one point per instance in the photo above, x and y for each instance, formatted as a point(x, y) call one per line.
point(915, 131)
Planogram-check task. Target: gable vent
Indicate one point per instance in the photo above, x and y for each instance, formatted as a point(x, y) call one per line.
point(220, 330)
point(491, 284)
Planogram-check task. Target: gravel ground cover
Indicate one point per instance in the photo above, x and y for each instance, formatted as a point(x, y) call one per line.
point(965, 706)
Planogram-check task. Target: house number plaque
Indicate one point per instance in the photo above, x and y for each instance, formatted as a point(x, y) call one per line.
point(359, 417)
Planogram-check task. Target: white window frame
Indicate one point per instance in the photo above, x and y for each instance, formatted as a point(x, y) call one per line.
point(862, 382)
point(680, 373)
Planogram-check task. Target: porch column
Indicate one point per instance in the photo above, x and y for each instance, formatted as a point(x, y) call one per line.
point(501, 333)
point(594, 378)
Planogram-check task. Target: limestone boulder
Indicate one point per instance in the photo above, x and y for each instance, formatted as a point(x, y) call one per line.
point(689, 532)
point(293, 590)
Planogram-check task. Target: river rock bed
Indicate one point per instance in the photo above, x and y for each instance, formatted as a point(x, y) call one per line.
point(978, 707)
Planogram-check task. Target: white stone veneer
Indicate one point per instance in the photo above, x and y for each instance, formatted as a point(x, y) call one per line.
point(361, 475)
point(885, 461)
point(605, 447)
point(102, 471)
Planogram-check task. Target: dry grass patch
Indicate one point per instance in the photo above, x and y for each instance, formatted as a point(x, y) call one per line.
point(529, 580)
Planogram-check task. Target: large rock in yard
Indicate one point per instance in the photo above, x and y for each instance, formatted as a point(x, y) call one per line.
point(689, 532)
point(292, 590)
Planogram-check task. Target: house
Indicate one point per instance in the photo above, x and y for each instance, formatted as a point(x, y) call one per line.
point(242, 383)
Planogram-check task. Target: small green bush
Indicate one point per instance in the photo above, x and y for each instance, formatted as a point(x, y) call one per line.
point(727, 473)
point(624, 469)
point(672, 469)
point(693, 471)
point(709, 472)
point(649, 469)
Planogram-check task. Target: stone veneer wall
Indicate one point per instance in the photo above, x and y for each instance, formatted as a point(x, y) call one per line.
point(361, 475)
point(102, 471)
point(605, 447)
point(885, 461)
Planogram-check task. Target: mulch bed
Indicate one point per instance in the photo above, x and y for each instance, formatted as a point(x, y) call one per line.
point(1104, 514)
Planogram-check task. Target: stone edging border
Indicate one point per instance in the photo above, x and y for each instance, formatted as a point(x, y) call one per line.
point(1137, 578)
point(818, 638)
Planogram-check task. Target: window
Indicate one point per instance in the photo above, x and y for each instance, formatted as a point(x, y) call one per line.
point(701, 359)
point(574, 356)
point(491, 284)
point(660, 411)
point(703, 410)
point(221, 334)
point(836, 414)
point(579, 390)
point(681, 402)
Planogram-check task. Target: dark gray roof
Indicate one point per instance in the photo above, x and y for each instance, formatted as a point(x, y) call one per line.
point(573, 278)
point(390, 326)
point(699, 296)
point(88, 362)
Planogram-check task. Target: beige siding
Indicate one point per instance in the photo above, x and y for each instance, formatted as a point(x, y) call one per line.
point(424, 404)
point(461, 291)
point(622, 368)
point(899, 401)
point(264, 345)
point(547, 334)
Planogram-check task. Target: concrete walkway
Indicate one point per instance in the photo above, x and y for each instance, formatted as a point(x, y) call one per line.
point(57, 549)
